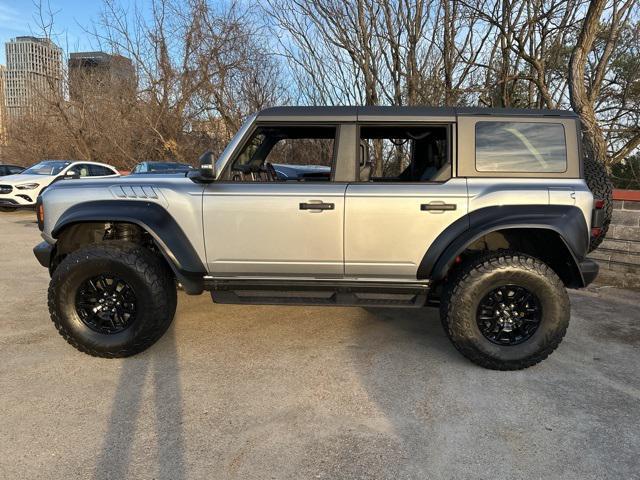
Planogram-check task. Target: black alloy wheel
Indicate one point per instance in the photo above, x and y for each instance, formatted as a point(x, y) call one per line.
point(106, 304)
point(509, 315)
point(505, 310)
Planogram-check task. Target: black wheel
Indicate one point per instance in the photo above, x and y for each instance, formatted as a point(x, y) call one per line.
point(598, 182)
point(505, 310)
point(112, 299)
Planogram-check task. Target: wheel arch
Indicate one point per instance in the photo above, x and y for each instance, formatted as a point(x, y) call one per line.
point(150, 218)
point(556, 234)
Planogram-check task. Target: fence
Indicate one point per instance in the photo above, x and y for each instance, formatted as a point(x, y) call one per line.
point(619, 255)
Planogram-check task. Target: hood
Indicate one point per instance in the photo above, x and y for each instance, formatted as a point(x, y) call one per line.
point(146, 179)
point(21, 178)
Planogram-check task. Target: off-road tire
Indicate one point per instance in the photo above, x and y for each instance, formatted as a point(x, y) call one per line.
point(148, 275)
point(478, 276)
point(598, 182)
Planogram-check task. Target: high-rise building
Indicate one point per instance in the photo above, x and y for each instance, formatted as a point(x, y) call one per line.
point(97, 73)
point(3, 110)
point(33, 75)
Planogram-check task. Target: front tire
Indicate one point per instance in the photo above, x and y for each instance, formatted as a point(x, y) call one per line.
point(505, 310)
point(112, 299)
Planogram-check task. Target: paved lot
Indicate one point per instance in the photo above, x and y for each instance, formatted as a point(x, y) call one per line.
point(273, 392)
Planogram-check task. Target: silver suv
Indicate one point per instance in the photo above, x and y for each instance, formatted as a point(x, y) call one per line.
point(484, 213)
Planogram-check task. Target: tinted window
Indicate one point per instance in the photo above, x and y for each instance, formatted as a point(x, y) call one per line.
point(14, 170)
point(169, 167)
point(520, 147)
point(99, 171)
point(81, 169)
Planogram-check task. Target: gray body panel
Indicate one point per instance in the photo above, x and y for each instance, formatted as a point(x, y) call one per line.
point(259, 229)
point(387, 233)
point(181, 197)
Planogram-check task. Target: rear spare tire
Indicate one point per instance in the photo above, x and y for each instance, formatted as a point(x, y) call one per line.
point(598, 182)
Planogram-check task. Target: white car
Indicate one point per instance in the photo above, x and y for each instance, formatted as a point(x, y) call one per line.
point(22, 190)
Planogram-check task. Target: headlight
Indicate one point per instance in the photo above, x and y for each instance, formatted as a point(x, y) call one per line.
point(27, 186)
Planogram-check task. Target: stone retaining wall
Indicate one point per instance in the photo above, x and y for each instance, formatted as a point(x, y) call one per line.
point(619, 254)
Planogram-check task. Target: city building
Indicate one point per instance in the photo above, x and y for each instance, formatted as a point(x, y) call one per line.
point(33, 74)
point(3, 112)
point(96, 73)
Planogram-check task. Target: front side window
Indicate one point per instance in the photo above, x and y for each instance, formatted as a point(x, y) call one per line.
point(81, 169)
point(286, 154)
point(530, 147)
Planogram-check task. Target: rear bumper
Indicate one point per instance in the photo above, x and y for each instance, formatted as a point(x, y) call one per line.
point(589, 271)
point(43, 252)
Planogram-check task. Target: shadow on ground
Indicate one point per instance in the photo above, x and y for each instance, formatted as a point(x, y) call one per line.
point(158, 367)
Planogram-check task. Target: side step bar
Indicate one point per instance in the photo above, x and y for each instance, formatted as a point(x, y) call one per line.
point(318, 292)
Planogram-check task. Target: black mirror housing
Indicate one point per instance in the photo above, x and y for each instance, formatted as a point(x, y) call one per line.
point(207, 165)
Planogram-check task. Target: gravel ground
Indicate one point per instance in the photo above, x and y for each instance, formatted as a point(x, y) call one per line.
point(309, 392)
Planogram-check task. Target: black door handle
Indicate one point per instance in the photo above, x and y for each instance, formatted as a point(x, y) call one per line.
point(317, 206)
point(437, 207)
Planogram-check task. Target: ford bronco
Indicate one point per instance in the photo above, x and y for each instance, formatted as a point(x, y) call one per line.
point(484, 213)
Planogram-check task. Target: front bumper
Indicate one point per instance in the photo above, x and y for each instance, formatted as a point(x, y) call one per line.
point(43, 252)
point(17, 201)
point(589, 271)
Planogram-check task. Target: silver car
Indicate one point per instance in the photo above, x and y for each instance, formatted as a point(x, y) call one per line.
point(484, 213)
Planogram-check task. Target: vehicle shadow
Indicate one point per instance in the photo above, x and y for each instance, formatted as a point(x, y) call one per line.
point(130, 415)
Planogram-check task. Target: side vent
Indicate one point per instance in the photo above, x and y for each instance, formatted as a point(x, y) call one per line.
point(143, 192)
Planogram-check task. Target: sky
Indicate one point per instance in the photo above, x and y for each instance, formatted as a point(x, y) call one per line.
point(18, 17)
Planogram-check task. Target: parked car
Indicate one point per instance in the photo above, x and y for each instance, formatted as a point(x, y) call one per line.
point(10, 170)
point(22, 190)
point(302, 172)
point(492, 229)
point(161, 168)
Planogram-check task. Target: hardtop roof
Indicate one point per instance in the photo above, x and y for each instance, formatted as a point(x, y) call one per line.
point(354, 113)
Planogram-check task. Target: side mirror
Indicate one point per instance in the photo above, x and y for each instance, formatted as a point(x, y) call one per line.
point(71, 174)
point(208, 166)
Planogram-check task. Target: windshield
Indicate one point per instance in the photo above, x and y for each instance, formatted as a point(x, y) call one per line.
point(233, 144)
point(48, 167)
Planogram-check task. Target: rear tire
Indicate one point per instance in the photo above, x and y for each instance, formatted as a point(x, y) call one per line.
point(505, 335)
point(119, 277)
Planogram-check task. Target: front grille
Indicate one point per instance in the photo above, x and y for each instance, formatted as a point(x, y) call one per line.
point(4, 189)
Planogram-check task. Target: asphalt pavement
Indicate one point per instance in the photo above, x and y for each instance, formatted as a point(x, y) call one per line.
point(309, 392)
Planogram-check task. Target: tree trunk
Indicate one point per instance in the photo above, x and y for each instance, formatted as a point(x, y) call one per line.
point(594, 143)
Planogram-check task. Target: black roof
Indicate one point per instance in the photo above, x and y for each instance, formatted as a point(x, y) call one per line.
point(353, 113)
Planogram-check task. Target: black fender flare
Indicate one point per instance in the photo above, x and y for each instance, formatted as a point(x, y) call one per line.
point(155, 220)
point(565, 220)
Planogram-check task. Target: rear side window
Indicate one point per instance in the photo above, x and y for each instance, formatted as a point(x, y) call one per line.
point(520, 147)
